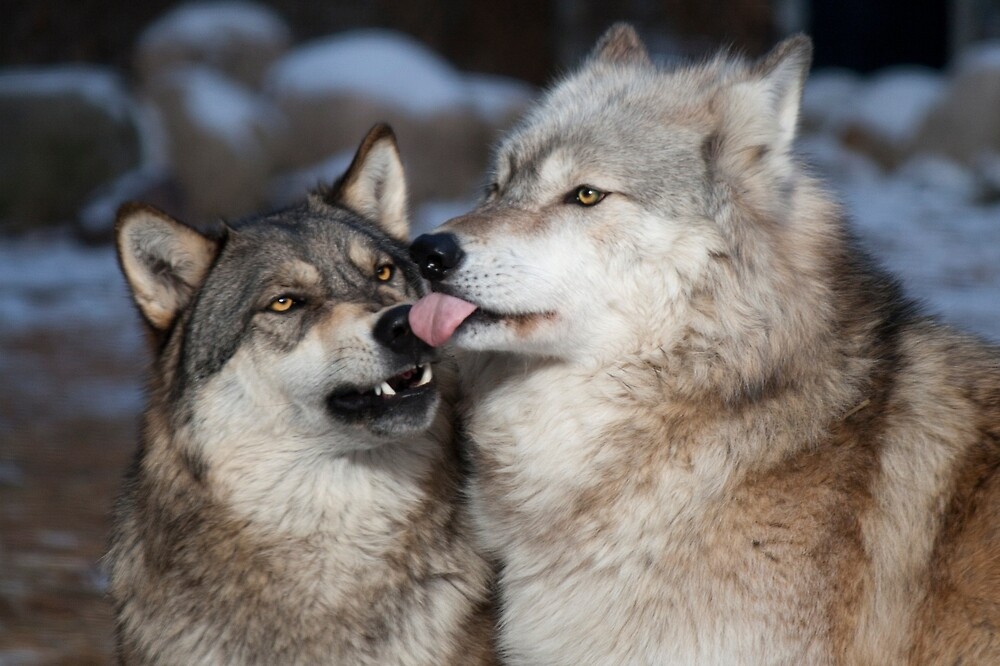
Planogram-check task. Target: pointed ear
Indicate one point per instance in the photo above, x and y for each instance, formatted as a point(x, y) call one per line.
point(163, 260)
point(375, 185)
point(621, 44)
point(783, 73)
point(766, 104)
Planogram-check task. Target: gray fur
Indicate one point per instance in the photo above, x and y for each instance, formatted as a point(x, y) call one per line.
point(258, 525)
point(708, 428)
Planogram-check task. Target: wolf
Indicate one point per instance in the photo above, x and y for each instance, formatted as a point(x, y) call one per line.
point(295, 495)
point(706, 427)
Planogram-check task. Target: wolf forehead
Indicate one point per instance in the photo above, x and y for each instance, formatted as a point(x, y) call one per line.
point(324, 247)
point(606, 113)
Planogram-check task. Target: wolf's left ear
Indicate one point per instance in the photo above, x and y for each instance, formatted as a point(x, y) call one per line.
point(621, 44)
point(374, 185)
point(766, 105)
point(164, 261)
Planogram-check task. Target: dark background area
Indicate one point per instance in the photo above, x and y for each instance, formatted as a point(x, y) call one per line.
point(532, 40)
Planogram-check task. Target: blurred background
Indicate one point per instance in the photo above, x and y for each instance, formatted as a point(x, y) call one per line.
point(214, 110)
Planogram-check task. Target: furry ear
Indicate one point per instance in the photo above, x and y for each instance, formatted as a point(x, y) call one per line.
point(766, 104)
point(163, 260)
point(374, 185)
point(783, 72)
point(621, 44)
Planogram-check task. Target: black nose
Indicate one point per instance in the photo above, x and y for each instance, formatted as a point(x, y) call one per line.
point(436, 254)
point(393, 330)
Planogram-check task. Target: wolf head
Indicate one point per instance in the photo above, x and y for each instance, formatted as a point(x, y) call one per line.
point(291, 323)
point(619, 204)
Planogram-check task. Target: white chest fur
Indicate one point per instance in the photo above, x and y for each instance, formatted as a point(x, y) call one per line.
point(611, 553)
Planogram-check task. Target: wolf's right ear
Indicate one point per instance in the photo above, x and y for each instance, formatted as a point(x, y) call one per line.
point(163, 260)
point(621, 44)
point(375, 184)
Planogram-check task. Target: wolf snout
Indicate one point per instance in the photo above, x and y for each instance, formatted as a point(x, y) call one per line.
point(393, 331)
point(436, 254)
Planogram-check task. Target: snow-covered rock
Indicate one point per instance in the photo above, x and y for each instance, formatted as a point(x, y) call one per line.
point(966, 120)
point(65, 131)
point(827, 99)
point(288, 188)
point(223, 138)
point(830, 159)
point(334, 89)
point(383, 66)
point(237, 37)
point(940, 175)
point(149, 184)
point(888, 111)
point(498, 100)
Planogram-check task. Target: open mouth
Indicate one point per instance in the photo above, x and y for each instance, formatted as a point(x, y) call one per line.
point(392, 392)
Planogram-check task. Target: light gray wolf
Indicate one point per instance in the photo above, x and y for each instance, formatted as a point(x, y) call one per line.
point(295, 496)
point(707, 428)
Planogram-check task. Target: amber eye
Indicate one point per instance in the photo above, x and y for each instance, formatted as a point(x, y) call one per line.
point(385, 272)
point(587, 196)
point(282, 304)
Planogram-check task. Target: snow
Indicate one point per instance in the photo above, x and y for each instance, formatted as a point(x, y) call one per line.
point(53, 282)
point(984, 55)
point(387, 66)
point(201, 25)
point(894, 102)
point(223, 108)
point(99, 86)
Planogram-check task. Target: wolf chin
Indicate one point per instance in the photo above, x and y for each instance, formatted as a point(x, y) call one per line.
point(707, 428)
point(294, 499)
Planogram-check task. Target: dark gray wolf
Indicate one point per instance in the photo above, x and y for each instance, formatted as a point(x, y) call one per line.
point(294, 496)
point(707, 429)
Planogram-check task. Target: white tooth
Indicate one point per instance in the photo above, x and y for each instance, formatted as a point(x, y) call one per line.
point(425, 377)
point(387, 389)
point(378, 390)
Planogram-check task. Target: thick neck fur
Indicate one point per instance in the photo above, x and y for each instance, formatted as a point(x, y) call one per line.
point(259, 545)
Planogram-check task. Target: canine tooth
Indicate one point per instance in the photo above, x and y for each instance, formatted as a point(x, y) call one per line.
point(378, 390)
point(387, 389)
point(425, 377)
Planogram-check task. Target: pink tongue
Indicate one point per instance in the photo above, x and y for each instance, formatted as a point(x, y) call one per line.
point(435, 317)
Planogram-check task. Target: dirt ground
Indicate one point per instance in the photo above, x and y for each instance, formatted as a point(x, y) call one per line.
point(66, 435)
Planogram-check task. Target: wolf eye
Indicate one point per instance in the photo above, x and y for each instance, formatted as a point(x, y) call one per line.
point(282, 304)
point(385, 272)
point(586, 196)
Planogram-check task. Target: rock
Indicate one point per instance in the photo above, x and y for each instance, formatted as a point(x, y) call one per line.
point(938, 174)
point(966, 120)
point(333, 90)
point(65, 130)
point(888, 111)
point(833, 161)
point(149, 184)
point(288, 188)
point(240, 39)
point(223, 140)
point(827, 99)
